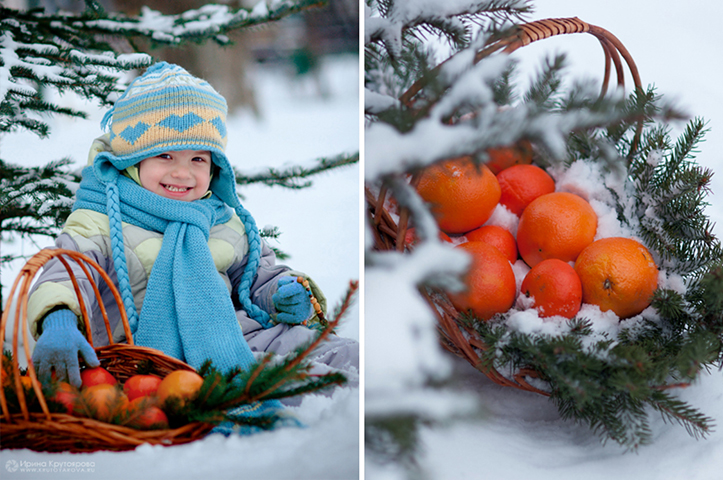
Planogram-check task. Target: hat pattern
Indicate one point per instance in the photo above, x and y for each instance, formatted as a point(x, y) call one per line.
point(166, 109)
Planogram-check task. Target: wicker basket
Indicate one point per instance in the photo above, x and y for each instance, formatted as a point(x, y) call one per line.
point(56, 432)
point(389, 229)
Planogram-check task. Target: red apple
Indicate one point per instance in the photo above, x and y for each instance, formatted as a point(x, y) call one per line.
point(141, 386)
point(67, 395)
point(97, 376)
point(143, 415)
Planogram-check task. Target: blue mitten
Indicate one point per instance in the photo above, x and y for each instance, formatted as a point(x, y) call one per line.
point(58, 347)
point(270, 409)
point(291, 301)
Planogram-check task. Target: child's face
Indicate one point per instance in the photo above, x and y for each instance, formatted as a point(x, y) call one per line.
point(180, 175)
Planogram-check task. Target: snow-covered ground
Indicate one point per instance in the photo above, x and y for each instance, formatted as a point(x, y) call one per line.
point(519, 435)
point(320, 230)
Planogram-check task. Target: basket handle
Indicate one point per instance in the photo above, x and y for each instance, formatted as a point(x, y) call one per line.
point(22, 286)
point(527, 33)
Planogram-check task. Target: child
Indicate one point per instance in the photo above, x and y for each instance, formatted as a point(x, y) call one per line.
point(157, 209)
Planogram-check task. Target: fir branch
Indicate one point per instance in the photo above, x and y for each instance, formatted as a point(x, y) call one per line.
point(673, 189)
point(35, 200)
point(272, 232)
point(397, 23)
point(291, 177)
point(673, 409)
point(542, 92)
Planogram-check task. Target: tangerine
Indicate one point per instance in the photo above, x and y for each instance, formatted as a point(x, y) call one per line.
point(410, 237)
point(6, 371)
point(498, 237)
point(462, 195)
point(555, 225)
point(102, 401)
point(617, 274)
point(555, 288)
point(181, 384)
point(26, 382)
point(490, 282)
point(521, 184)
point(506, 157)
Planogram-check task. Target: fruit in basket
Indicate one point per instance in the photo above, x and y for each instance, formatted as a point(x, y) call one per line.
point(96, 376)
point(556, 225)
point(462, 194)
point(66, 395)
point(182, 385)
point(490, 282)
point(26, 382)
point(498, 237)
point(141, 386)
point(102, 402)
point(617, 274)
point(554, 288)
point(142, 414)
point(521, 184)
point(410, 238)
point(506, 157)
point(6, 372)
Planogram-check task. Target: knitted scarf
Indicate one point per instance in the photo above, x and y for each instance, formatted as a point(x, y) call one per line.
point(187, 311)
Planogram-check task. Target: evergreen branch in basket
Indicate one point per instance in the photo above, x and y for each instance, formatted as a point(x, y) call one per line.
point(604, 386)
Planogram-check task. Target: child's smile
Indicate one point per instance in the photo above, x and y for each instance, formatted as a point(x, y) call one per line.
point(179, 175)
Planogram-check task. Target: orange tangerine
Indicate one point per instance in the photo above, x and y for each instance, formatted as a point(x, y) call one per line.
point(521, 184)
point(410, 237)
point(462, 195)
point(498, 237)
point(617, 274)
point(181, 384)
point(556, 225)
point(102, 401)
point(490, 282)
point(555, 288)
point(506, 157)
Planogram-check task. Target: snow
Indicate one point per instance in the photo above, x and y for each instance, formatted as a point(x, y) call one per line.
point(320, 230)
point(517, 435)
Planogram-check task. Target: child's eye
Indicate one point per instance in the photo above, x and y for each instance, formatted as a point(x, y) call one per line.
point(163, 155)
point(200, 159)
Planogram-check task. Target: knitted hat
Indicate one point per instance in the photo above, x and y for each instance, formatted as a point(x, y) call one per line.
point(168, 109)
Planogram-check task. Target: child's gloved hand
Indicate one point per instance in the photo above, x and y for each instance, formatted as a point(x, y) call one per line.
point(58, 347)
point(291, 301)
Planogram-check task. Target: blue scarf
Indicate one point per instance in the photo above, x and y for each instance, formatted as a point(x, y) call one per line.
point(187, 311)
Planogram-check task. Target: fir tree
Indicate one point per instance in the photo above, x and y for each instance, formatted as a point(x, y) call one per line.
point(425, 104)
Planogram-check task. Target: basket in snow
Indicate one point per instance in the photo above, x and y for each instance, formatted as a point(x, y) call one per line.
point(56, 432)
point(390, 228)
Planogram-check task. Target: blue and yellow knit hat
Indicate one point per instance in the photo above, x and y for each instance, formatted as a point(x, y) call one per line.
point(163, 110)
point(168, 109)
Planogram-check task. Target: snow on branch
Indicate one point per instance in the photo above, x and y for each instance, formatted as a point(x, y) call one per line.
point(209, 21)
point(448, 16)
point(291, 177)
